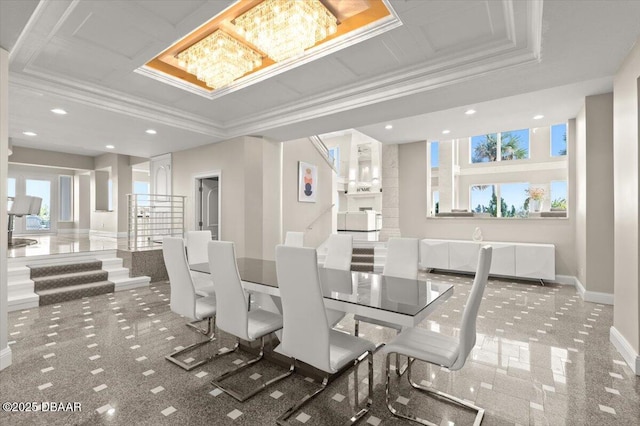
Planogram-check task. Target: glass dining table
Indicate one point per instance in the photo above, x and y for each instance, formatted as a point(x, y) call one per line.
point(400, 301)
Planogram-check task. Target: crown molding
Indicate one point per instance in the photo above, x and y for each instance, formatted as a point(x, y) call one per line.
point(110, 100)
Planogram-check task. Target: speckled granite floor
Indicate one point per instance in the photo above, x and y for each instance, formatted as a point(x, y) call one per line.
point(542, 357)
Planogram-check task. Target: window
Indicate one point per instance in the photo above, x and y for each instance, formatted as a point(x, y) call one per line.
point(42, 189)
point(514, 200)
point(141, 189)
point(435, 154)
point(483, 199)
point(435, 203)
point(559, 195)
point(512, 145)
point(66, 199)
point(110, 195)
point(334, 155)
point(558, 140)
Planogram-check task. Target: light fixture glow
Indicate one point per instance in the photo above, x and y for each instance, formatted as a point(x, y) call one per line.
point(109, 146)
point(388, 126)
point(150, 131)
point(470, 111)
point(538, 117)
point(219, 59)
point(30, 133)
point(111, 411)
point(59, 111)
point(283, 28)
point(446, 132)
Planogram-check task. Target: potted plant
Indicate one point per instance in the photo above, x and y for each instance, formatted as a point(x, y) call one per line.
point(536, 195)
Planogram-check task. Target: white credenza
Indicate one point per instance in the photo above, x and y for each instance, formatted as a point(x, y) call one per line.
point(520, 260)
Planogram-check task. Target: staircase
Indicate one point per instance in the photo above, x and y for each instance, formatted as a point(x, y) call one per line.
point(42, 280)
point(367, 256)
point(69, 281)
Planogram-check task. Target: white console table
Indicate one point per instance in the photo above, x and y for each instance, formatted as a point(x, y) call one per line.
point(519, 260)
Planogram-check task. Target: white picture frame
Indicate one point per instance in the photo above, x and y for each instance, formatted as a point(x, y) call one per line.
point(307, 182)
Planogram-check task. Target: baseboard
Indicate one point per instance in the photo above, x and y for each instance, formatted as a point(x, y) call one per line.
point(5, 358)
point(593, 296)
point(565, 280)
point(73, 231)
point(625, 349)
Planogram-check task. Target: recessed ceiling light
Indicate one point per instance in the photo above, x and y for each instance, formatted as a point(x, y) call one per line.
point(59, 111)
point(388, 126)
point(538, 117)
point(470, 111)
point(109, 146)
point(446, 132)
point(151, 131)
point(29, 133)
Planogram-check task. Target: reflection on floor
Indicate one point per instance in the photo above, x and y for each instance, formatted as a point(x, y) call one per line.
point(542, 357)
point(66, 243)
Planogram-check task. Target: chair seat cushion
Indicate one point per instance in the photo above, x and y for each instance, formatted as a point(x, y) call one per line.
point(262, 322)
point(425, 345)
point(205, 307)
point(344, 348)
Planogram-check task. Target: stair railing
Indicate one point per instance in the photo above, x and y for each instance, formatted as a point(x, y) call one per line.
point(153, 217)
point(310, 226)
point(316, 141)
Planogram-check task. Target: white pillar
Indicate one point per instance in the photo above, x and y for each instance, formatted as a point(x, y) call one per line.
point(5, 350)
point(390, 193)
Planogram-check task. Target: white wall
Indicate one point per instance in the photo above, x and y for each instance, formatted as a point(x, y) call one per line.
point(296, 216)
point(594, 194)
point(626, 87)
point(414, 222)
point(5, 350)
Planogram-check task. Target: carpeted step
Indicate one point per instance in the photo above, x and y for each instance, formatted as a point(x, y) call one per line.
point(67, 280)
point(64, 294)
point(364, 250)
point(362, 267)
point(65, 268)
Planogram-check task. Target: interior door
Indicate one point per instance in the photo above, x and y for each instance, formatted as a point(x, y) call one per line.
point(209, 219)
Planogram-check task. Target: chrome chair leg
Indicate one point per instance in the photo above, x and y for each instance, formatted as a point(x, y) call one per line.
point(210, 326)
point(437, 394)
point(282, 420)
point(172, 357)
point(217, 381)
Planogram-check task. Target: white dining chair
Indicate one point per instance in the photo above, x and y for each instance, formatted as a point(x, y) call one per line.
point(306, 337)
point(197, 253)
point(20, 206)
point(185, 301)
point(439, 349)
point(234, 316)
point(294, 239)
point(339, 253)
point(401, 262)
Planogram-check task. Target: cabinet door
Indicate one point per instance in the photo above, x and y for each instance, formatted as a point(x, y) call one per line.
point(463, 256)
point(434, 254)
point(503, 259)
point(536, 261)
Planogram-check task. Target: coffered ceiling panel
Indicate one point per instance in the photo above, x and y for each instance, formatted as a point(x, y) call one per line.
point(127, 41)
point(171, 11)
point(370, 57)
point(317, 76)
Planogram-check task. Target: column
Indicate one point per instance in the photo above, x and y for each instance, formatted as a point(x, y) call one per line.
point(390, 193)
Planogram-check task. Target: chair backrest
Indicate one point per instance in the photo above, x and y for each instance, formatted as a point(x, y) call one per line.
point(183, 297)
point(402, 258)
point(294, 239)
point(21, 205)
point(305, 333)
point(468, 326)
point(339, 252)
point(197, 246)
point(231, 305)
point(35, 205)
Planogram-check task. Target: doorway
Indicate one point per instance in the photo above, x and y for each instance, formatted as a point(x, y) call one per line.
point(207, 205)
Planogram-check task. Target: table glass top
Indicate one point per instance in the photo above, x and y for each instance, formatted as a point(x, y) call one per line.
point(401, 295)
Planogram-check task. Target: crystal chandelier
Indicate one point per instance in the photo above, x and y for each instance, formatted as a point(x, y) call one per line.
point(285, 28)
point(219, 59)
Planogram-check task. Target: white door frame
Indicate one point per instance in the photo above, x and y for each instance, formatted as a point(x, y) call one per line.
point(196, 194)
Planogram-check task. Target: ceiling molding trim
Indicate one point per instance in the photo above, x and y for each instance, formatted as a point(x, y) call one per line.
point(362, 34)
point(535, 27)
point(395, 85)
point(25, 50)
point(110, 100)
